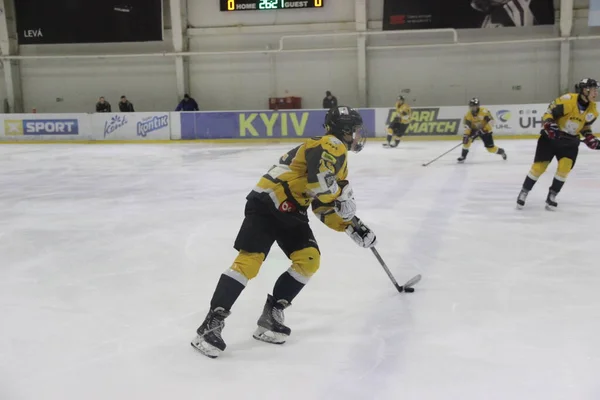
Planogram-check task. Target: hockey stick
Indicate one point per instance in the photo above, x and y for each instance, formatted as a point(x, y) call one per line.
point(442, 155)
point(408, 285)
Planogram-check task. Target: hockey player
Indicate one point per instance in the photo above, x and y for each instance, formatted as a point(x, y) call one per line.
point(399, 124)
point(477, 123)
point(313, 173)
point(568, 118)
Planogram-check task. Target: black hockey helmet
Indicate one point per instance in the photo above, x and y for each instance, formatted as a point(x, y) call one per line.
point(401, 98)
point(346, 124)
point(474, 102)
point(586, 83)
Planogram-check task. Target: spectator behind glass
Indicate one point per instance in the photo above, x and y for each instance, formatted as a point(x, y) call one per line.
point(187, 104)
point(103, 105)
point(330, 101)
point(125, 105)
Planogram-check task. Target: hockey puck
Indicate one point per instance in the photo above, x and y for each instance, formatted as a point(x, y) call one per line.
point(409, 290)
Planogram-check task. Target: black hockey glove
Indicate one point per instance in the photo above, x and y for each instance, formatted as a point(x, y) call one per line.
point(552, 130)
point(592, 142)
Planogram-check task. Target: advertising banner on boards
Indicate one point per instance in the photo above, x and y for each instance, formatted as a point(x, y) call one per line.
point(260, 124)
point(464, 14)
point(132, 126)
point(515, 119)
point(24, 127)
point(69, 21)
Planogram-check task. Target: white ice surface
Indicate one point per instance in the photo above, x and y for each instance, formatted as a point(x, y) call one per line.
point(109, 256)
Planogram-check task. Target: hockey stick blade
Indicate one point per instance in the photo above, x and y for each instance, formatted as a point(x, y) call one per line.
point(410, 283)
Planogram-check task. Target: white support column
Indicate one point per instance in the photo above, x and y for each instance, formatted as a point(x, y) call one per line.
point(179, 32)
point(360, 11)
point(9, 46)
point(566, 27)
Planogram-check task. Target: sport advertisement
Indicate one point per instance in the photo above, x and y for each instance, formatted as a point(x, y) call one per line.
point(466, 14)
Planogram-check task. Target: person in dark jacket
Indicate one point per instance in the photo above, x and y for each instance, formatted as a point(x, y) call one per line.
point(187, 104)
point(330, 101)
point(103, 105)
point(125, 105)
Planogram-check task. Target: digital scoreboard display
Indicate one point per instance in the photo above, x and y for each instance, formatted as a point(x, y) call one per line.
point(265, 5)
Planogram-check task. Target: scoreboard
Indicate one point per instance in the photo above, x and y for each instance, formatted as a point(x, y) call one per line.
point(264, 5)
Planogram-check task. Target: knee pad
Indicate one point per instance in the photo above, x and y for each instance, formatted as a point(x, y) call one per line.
point(246, 266)
point(305, 263)
point(538, 168)
point(467, 140)
point(565, 165)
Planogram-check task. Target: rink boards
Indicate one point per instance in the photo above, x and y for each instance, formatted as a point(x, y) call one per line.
point(428, 123)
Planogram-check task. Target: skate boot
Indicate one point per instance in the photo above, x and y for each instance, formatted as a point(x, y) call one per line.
point(463, 156)
point(521, 199)
point(270, 324)
point(503, 154)
point(551, 203)
point(208, 340)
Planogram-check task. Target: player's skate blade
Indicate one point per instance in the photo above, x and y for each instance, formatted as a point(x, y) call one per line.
point(208, 340)
point(205, 348)
point(551, 203)
point(268, 336)
point(521, 199)
point(271, 328)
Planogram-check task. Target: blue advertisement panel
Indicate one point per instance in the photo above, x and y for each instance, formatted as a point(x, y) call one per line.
point(20, 127)
point(260, 124)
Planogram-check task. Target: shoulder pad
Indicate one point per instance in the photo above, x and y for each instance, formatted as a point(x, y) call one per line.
point(333, 145)
point(566, 96)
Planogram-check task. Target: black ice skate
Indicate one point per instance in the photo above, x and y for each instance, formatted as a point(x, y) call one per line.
point(270, 324)
point(522, 198)
point(503, 154)
point(463, 156)
point(208, 340)
point(551, 203)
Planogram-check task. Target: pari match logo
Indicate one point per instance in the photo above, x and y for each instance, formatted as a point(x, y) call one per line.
point(152, 124)
point(427, 121)
point(21, 127)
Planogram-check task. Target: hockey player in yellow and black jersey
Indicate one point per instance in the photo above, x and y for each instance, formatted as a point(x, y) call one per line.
point(312, 174)
point(478, 123)
point(567, 120)
point(399, 124)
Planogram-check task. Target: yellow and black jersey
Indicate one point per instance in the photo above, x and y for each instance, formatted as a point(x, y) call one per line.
point(571, 115)
point(403, 113)
point(307, 173)
point(480, 121)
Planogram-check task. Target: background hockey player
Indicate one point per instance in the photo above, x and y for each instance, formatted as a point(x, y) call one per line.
point(400, 123)
point(478, 123)
point(568, 118)
point(313, 173)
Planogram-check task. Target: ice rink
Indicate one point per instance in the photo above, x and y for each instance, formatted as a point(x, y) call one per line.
point(110, 253)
